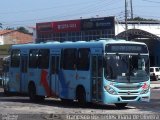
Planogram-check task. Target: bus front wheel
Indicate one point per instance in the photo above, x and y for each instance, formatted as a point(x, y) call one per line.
point(121, 105)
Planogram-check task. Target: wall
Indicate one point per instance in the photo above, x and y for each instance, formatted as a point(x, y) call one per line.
point(1, 40)
point(16, 37)
point(151, 28)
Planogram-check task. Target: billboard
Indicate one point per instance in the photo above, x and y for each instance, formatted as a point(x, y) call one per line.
point(44, 27)
point(76, 25)
point(66, 26)
point(97, 23)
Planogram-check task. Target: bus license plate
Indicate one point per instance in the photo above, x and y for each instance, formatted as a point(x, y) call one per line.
point(145, 99)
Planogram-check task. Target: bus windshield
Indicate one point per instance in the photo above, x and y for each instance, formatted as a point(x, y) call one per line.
point(126, 68)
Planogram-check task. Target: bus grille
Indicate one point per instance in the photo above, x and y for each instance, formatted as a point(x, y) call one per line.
point(128, 97)
point(130, 93)
point(128, 87)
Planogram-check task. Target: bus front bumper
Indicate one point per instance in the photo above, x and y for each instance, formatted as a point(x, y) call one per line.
point(110, 99)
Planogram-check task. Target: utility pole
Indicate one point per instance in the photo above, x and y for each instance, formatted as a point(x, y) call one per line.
point(126, 14)
point(131, 9)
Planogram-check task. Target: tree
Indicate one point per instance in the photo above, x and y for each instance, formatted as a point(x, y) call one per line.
point(8, 28)
point(1, 25)
point(141, 19)
point(23, 30)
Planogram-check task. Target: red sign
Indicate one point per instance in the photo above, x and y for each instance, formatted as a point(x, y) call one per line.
point(66, 26)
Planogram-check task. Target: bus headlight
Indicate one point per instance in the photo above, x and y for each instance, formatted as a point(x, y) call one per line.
point(145, 88)
point(110, 90)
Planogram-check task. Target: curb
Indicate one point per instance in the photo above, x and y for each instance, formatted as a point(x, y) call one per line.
point(155, 88)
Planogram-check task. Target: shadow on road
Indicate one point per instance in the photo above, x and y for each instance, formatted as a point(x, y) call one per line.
point(56, 103)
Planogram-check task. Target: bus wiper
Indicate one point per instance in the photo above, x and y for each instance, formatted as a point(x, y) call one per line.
point(129, 70)
point(128, 76)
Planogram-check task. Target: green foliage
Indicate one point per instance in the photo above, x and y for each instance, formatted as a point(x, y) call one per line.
point(141, 19)
point(23, 30)
point(8, 28)
point(1, 25)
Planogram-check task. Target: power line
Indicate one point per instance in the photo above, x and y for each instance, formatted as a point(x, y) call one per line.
point(142, 6)
point(148, 16)
point(151, 1)
point(61, 16)
point(85, 10)
point(41, 9)
point(55, 7)
point(67, 15)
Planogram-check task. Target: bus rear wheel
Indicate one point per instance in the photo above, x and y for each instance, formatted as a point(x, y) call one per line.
point(81, 96)
point(121, 105)
point(7, 93)
point(32, 92)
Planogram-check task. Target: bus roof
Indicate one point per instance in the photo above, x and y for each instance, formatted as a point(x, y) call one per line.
point(93, 43)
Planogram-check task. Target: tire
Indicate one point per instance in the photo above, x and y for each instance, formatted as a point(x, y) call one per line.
point(40, 98)
point(81, 96)
point(156, 78)
point(32, 92)
point(66, 101)
point(7, 93)
point(121, 105)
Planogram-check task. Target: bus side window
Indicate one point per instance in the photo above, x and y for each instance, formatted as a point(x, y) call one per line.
point(43, 58)
point(15, 58)
point(69, 59)
point(100, 68)
point(33, 58)
point(83, 59)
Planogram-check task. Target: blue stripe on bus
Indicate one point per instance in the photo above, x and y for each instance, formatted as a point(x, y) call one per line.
point(64, 85)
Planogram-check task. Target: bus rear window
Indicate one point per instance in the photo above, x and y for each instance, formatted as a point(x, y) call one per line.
point(15, 58)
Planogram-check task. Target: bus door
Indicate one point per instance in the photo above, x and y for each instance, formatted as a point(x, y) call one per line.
point(96, 78)
point(24, 76)
point(54, 69)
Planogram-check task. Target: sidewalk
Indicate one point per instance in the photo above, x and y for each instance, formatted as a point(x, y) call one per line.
point(155, 84)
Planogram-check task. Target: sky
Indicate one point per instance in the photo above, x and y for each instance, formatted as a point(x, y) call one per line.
point(16, 13)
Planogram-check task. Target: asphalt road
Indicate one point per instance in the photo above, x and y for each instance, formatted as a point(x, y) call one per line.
point(51, 108)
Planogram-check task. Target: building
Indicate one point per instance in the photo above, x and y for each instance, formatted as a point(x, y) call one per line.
point(14, 37)
point(76, 30)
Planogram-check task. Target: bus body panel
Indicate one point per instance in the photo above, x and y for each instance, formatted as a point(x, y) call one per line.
point(14, 80)
point(67, 87)
point(55, 81)
point(35, 76)
point(84, 78)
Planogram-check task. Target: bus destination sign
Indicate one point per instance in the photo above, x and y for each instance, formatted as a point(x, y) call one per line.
point(126, 48)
